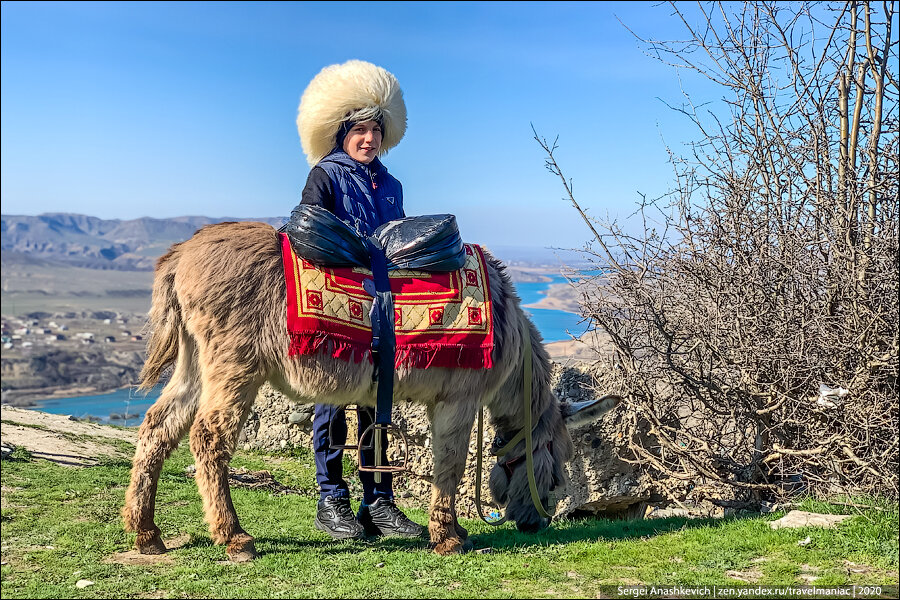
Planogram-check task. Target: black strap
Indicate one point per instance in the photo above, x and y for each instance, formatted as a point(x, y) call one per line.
point(384, 343)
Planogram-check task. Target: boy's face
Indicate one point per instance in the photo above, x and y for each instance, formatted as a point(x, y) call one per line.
point(363, 141)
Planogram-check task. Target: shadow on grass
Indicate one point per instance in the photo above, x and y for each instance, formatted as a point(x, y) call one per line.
point(338, 547)
point(266, 545)
point(593, 530)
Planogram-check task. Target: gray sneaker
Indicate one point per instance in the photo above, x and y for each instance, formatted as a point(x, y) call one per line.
point(382, 517)
point(335, 517)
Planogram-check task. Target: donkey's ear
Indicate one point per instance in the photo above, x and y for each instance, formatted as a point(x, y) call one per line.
point(577, 414)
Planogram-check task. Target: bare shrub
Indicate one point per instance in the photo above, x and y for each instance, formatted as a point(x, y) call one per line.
point(754, 315)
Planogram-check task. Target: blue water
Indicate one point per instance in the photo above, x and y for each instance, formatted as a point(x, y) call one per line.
point(126, 402)
point(554, 325)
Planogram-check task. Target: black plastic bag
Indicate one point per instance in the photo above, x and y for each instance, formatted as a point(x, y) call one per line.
point(323, 239)
point(428, 243)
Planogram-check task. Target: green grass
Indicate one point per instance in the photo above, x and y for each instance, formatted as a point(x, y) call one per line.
point(61, 525)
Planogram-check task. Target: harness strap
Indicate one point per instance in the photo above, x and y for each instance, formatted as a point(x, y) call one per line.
point(384, 350)
point(525, 432)
point(529, 441)
point(384, 341)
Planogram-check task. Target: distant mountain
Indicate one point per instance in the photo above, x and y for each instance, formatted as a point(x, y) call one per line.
point(84, 241)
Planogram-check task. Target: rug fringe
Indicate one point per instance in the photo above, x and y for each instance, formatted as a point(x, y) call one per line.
point(416, 356)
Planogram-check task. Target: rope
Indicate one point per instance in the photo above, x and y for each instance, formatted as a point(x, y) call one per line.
point(525, 432)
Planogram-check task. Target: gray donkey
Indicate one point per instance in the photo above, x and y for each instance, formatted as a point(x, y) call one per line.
point(218, 316)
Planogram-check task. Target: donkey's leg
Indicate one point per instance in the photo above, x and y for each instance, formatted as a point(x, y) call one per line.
point(165, 424)
point(224, 406)
point(451, 422)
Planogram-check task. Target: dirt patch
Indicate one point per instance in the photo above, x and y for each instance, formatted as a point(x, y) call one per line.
point(133, 557)
point(57, 439)
point(799, 518)
point(751, 575)
point(852, 567)
point(808, 574)
point(254, 480)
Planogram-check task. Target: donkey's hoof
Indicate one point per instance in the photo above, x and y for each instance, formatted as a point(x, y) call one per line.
point(241, 550)
point(449, 546)
point(150, 543)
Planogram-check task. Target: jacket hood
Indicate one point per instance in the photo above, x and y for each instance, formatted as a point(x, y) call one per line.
point(355, 90)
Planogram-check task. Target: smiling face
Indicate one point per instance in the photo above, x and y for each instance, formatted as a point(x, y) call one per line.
point(363, 141)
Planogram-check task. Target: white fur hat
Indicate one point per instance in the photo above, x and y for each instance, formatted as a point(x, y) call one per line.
point(357, 91)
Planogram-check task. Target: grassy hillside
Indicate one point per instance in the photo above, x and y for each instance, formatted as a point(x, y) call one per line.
point(61, 526)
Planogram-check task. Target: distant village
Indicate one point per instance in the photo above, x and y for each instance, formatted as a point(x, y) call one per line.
point(43, 331)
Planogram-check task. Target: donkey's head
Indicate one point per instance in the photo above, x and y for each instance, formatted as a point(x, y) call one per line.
point(519, 344)
point(551, 443)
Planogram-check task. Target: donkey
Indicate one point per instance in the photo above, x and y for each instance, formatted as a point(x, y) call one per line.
point(218, 317)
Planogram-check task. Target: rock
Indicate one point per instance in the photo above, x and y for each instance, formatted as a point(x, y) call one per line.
point(6, 449)
point(799, 518)
point(83, 583)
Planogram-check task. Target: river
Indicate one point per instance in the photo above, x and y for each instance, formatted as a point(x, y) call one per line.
point(128, 407)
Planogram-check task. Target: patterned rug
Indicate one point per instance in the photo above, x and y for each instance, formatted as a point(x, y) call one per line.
point(440, 319)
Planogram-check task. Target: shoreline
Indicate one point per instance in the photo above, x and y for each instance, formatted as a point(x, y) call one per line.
point(30, 397)
point(558, 296)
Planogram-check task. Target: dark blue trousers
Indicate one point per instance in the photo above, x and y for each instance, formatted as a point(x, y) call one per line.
point(329, 468)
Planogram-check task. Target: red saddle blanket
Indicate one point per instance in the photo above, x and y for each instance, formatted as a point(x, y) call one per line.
point(440, 319)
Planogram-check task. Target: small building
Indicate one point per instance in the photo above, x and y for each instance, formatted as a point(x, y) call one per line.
point(63, 327)
point(109, 339)
point(137, 338)
point(87, 341)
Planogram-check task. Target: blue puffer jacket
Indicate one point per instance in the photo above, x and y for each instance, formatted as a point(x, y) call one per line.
point(366, 196)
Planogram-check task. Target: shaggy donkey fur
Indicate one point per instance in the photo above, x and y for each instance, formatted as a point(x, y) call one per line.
point(218, 316)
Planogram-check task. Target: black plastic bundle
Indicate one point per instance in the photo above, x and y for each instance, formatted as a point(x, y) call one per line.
point(427, 243)
point(324, 240)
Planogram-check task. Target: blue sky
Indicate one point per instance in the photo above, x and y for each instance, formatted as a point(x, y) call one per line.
point(123, 110)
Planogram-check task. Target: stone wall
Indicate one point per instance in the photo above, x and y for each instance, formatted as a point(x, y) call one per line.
point(598, 481)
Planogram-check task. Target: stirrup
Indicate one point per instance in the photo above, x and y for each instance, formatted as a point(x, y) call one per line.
point(377, 441)
point(354, 446)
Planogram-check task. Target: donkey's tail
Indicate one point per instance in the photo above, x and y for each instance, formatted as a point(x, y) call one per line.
point(165, 322)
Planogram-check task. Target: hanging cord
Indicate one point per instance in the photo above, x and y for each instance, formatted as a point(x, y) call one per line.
point(526, 432)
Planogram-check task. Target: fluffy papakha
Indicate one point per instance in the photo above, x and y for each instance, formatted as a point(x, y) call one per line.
point(353, 91)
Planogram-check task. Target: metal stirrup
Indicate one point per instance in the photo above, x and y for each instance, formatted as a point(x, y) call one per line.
point(379, 433)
